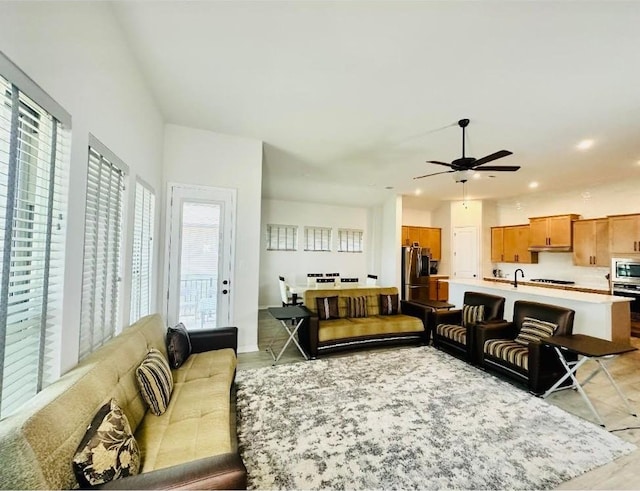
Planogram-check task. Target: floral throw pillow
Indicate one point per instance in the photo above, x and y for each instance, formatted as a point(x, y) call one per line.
point(108, 449)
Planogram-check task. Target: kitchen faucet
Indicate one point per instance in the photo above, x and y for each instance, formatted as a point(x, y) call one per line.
point(515, 277)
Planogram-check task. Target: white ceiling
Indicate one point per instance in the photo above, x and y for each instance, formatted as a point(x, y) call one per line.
point(351, 97)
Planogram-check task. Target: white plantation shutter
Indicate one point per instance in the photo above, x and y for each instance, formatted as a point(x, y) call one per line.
point(34, 147)
point(102, 234)
point(142, 257)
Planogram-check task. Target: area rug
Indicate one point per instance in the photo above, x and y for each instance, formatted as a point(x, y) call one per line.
point(407, 418)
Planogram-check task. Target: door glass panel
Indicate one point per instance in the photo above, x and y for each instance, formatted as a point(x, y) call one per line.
point(200, 233)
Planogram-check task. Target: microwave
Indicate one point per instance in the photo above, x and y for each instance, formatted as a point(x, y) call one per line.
point(625, 270)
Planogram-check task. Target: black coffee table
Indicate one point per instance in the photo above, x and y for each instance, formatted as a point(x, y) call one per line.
point(288, 315)
point(589, 348)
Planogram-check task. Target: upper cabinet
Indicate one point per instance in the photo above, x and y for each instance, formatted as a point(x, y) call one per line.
point(430, 237)
point(591, 242)
point(551, 233)
point(511, 245)
point(624, 234)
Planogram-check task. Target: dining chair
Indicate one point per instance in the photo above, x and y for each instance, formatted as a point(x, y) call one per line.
point(325, 282)
point(332, 275)
point(372, 280)
point(349, 281)
point(312, 277)
point(285, 296)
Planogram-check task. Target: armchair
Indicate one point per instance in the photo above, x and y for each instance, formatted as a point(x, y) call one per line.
point(516, 349)
point(454, 332)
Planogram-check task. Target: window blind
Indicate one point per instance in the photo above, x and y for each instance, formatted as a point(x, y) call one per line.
point(101, 264)
point(34, 147)
point(350, 240)
point(142, 257)
point(317, 239)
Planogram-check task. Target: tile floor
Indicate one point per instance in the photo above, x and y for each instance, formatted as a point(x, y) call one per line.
point(624, 473)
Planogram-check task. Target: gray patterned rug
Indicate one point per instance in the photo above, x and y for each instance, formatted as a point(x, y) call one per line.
point(407, 418)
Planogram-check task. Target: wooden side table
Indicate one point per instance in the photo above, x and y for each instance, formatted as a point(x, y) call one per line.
point(589, 348)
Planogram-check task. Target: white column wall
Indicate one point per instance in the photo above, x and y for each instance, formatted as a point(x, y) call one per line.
point(199, 157)
point(76, 52)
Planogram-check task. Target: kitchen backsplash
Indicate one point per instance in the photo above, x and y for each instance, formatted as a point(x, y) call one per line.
point(558, 266)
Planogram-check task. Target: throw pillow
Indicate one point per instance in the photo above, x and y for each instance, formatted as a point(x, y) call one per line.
point(356, 306)
point(108, 449)
point(327, 308)
point(388, 304)
point(155, 381)
point(472, 314)
point(178, 345)
point(534, 330)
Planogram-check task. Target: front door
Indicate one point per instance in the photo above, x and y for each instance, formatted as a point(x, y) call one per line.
point(200, 251)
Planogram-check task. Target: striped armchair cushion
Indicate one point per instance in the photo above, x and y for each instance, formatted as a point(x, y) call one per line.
point(505, 349)
point(534, 330)
point(453, 332)
point(472, 314)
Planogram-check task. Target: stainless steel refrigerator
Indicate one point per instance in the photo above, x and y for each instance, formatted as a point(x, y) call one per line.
point(415, 273)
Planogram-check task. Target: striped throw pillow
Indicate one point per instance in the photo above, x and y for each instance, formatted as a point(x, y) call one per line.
point(388, 304)
point(356, 306)
point(534, 330)
point(155, 381)
point(472, 314)
point(327, 307)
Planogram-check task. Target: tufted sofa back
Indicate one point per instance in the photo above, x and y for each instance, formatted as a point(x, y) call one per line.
point(372, 295)
point(38, 442)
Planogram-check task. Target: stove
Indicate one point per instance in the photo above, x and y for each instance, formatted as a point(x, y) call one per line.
point(553, 282)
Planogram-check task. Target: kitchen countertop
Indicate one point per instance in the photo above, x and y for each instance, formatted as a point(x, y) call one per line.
point(551, 285)
point(578, 295)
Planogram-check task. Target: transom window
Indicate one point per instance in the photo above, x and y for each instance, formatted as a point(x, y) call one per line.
point(282, 237)
point(350, 240)
point(317, 239)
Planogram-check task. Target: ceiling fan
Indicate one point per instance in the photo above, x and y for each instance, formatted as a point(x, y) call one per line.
point(464, 165)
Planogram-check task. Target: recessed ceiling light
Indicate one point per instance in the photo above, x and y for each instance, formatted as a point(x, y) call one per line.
point(418, 192)
point(477, 175)
point(388, 187)
point(533, 185)
point(584, 145)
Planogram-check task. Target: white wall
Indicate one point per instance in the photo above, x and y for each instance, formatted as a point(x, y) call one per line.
point(193, 156)
point(416, 217)
point(294, 265)
point(76, 52)
point(390, 268)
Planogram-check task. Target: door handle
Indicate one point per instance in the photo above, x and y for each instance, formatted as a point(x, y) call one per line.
point(225, 282)
point(225, 291)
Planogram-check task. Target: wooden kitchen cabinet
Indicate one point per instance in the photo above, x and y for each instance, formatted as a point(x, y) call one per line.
point(510, 244)
point(624, 234)
point(552, 232)
point(497, 244)
point(430, 237)
point(591, 242)
point(439, 290)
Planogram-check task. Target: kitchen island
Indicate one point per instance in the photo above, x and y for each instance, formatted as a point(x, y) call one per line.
point(599, 315)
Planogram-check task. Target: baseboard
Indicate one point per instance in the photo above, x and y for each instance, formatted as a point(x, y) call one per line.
point(252, 348)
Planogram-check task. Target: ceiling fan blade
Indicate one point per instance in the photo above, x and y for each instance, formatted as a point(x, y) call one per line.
point(498, 168)
point(494, 156)
point(439, 163)
point(435, 174)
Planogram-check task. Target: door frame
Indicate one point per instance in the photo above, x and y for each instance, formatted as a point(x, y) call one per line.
point(167, 243)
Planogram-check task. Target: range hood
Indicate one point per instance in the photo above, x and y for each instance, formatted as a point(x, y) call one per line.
point(550, 248)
